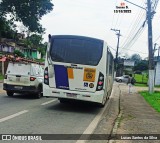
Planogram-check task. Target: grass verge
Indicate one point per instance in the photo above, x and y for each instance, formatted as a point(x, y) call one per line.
point(153, 99)
point(141, 85)
point(1, 77)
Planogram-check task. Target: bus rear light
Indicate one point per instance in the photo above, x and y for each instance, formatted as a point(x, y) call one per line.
point(101, 77)
point(100, 82)
point(46, 71)
point(46, 77)
point(99, 87)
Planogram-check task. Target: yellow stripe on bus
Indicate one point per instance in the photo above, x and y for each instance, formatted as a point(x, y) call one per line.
point(70, 73)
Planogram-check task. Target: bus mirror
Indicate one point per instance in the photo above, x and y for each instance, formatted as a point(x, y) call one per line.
point(50, 71)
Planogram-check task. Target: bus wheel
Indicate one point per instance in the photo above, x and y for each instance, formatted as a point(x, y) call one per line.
point(61, 100)
point(101, 105)
point(10, 93)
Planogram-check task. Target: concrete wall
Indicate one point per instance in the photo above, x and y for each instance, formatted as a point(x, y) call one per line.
point(38, 55)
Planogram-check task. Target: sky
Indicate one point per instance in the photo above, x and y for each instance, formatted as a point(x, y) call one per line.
point(95, 18)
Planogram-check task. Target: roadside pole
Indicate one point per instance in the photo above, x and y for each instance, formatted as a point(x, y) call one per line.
point(150, 49)
point(116, 61)
point(150, 45)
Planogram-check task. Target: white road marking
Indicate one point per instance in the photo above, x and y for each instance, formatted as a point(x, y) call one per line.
point(92, 126)
point(49, 102)
point(12, 116)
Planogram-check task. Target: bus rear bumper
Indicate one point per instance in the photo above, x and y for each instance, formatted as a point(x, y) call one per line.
point(84, 96)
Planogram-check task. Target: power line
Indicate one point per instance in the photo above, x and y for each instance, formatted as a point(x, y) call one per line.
point(134, 24)
point(132, 34)
point(135, 51)
point(134, 37)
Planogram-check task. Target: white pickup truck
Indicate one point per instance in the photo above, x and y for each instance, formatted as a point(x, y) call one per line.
point(23, 78)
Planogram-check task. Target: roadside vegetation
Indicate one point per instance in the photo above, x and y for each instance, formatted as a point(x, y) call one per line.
point(1, 77)
point(141, 78)
point(141, 85)
point(153, 99)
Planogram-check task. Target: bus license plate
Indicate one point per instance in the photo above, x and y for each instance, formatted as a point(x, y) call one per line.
point(73, 95)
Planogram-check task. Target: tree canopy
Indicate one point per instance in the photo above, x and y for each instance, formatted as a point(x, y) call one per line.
point(136, 57)
point(29, 12)
point(141, 66)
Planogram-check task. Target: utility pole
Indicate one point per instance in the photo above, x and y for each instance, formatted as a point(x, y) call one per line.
point(150, 45)
point(150, 49)
point(116, 62)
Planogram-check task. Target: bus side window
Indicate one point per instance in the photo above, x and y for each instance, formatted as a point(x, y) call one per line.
point(110, 64)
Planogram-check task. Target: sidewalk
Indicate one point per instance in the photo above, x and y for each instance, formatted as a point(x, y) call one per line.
point(136, 115)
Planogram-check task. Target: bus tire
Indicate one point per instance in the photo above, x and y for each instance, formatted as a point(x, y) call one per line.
point(101, 105)
point(61, 100)
point(10, 93)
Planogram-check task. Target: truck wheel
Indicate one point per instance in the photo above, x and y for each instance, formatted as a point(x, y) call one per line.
point(39, 94)
point(10, 93)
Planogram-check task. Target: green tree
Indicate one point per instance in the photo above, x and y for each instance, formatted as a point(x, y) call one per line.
point(136, 57)
point(141, 66)
point(29, 12)
point(42, 49)
point(18, 53)
point(36, 40)
point(7, 29)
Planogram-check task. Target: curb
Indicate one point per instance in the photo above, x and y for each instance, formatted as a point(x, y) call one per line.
point(117, 121)
point(2, 91)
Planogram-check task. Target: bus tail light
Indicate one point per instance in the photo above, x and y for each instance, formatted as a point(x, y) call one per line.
point(100, 82)
point(46, 77)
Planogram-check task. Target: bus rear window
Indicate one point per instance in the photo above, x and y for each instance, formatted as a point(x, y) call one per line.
point(78, 51)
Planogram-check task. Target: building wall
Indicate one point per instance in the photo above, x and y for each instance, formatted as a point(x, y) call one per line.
point(157, 75)
point(38, 55)
point(34, 54)
point(4, 48)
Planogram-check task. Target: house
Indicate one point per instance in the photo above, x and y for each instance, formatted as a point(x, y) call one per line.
point(28, 52)
point(7, 45)
point(10, 45)
point(33, 53)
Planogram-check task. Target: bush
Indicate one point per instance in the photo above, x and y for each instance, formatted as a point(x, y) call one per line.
point(18, 53)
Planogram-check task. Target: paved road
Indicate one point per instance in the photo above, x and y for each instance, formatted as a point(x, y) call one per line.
point(23, 114)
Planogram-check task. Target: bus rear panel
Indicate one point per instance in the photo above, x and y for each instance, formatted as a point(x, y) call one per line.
point(76, 67)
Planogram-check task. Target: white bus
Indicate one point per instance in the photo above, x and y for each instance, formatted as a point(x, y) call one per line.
point(79, 68)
